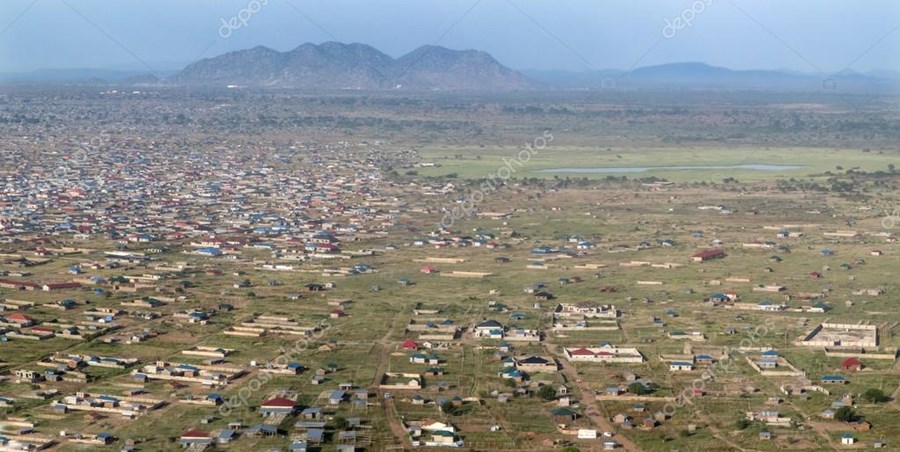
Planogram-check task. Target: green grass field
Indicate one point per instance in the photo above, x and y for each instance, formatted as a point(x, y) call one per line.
point(469, 162)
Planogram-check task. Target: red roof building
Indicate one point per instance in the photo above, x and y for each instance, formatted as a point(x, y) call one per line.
point(708, 255)
point(61, 286)
point(21, 319)
point(409, 344)
point(852, 364)
point(338, 313)
point(18, 285)
point(277, 406)
point(279, 402)
point(194, 434)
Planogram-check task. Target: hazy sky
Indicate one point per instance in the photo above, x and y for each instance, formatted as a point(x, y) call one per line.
point(801, 35)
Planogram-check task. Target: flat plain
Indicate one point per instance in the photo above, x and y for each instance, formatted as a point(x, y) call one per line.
point(324, 213)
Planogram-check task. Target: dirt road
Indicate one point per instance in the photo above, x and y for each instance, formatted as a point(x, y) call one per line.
point(588, 400)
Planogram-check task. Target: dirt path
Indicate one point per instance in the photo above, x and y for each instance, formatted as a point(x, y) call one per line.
point(390, 411)
point(589, 401)
point(818, 428)
point(385, 355)
point(393, 419)
point(823, 430)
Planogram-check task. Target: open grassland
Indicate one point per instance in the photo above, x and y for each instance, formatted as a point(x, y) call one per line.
point(366, 342)
point(485, 162)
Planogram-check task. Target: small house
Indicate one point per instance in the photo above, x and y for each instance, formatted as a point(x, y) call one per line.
point(833, 379)
point(277, 406)
point(848, 439)
point(195, 438)
point(563, 414)
point(336, 397)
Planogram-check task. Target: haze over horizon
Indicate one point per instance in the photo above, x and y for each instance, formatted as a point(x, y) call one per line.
point(523, 34)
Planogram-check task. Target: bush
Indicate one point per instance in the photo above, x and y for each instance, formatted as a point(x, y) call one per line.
point(741, 424)
point(875, 395)
point(449, 409)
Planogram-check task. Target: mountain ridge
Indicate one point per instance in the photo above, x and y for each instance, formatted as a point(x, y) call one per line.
point(355, 66)
point(334, 65)
point(702, 75)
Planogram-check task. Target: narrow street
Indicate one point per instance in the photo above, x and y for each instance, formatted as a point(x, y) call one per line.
point(588, 400)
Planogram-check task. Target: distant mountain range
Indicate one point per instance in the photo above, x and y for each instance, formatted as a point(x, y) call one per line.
point(338, 66)
point(704, 76)
point(334, 65)
point(79, 76)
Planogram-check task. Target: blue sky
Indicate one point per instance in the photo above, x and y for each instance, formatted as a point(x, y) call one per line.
point(800, 35)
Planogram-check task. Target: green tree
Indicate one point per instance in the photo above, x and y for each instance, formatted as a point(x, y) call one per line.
point(845, 414)
point(638, 389)
point(875, 395)
point(547, 392)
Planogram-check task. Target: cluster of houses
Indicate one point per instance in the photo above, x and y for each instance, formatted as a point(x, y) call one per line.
point(207, 375)
point(131, 405)
point(312, 425)
point(492, 329)
point(227, 206)
point(432, 433)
